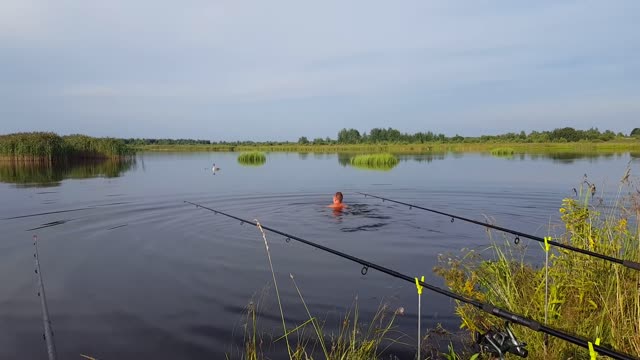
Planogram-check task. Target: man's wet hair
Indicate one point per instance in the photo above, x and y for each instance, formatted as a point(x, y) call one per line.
point(339, 196)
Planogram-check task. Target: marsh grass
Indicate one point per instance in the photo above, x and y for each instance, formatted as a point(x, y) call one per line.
point(42, 146)
point(609, 147)
point(255, 158)
point(502, 151)
point(587, 296)
point(82, 146)
point(382, 161)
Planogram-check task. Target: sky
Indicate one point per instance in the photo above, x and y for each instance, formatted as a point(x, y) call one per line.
point(278, 70)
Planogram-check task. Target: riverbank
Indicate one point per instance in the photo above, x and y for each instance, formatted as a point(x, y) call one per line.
point(622, 145)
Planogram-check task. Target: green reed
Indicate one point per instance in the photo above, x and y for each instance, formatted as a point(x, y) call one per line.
point(83, 146)
point(587, 296)
point(252, 158)
point(384, 161)
point(46, 146)
point(502, 151)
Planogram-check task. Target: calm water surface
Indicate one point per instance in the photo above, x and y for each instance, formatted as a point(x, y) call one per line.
point(135, 273)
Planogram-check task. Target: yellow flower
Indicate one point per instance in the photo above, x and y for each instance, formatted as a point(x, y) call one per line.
point(622, 224)
point(563, 210)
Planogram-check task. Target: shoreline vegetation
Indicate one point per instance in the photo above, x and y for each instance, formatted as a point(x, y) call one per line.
point(50, 147)
point(393, 141)
point(617, 146)
point(586, 296)
point(46, 146)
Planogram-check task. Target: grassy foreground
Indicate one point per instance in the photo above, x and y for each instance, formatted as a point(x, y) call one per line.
point(586, 296)
point(41, 146)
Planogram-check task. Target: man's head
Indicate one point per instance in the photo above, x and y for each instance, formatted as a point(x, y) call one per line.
point(337, 198)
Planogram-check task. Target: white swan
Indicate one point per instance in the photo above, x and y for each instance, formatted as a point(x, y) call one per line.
point(214, 168)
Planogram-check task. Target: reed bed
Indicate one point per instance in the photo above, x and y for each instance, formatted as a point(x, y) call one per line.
point(502, 151)
point(47, 146)
point(252, 158)
point(32, 146)
point(82, 146)
point(383, 161)
point(587, 296)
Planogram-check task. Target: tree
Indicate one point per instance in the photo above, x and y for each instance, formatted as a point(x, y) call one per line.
point(635, 132)
point(351, 136)
point(303, 140)
point(567, 133)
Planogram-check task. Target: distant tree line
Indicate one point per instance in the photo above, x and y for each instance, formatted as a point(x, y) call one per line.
point(390, 135)
point(394, 136)
point(138, 142)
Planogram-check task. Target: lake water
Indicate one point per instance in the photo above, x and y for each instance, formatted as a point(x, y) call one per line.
point(134, 272)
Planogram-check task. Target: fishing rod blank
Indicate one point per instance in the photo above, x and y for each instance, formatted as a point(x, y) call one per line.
point(486, 307)
point(48, 332)
point(628, 263)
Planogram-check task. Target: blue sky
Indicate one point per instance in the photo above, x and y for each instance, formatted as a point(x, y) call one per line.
point(233, 70)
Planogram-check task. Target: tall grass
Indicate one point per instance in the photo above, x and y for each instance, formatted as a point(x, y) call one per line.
point(82, 146)
point(252, 158)
point(31, 146)
point(587, 296)
point(384, 161)
point(42, 146)
point(354, 339)
point(502, 151)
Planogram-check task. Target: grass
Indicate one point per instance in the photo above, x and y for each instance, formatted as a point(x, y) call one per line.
point(354, 339)
point(502, 151)
point(252, 158)
point(616, 146)
point(587, 296)
point(383, 161)
point(43, 146)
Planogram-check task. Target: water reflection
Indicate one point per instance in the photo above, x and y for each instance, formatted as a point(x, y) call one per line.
point(570, 157)
point(303, 155)
point(39, 174)
point(423, 157)
point(344, 159)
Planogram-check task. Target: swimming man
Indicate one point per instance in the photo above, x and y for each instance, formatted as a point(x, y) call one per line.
point(337, 202)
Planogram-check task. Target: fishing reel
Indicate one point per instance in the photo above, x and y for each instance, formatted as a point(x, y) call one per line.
point(500, 342)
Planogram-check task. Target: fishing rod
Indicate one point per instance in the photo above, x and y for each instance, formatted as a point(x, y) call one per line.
point(486, 307)
point(627, 263)
point(48, 332)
